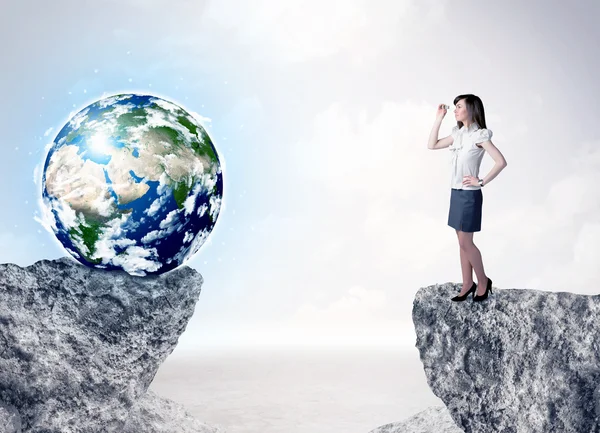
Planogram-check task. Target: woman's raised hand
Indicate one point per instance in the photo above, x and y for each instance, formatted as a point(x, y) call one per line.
point(441, 111)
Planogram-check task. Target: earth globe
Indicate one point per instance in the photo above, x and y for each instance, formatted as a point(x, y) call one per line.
point(132, 182)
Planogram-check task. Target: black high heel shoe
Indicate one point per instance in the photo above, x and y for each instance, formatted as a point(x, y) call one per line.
point(463, 297)
point(477, 298)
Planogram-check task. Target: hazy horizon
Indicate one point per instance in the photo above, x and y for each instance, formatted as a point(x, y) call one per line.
point(298, 390)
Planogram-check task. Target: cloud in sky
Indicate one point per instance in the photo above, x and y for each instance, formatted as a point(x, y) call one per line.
point(300, 30)
point(355, 318)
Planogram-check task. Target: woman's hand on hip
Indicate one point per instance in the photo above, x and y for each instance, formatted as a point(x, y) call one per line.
point(470, 181)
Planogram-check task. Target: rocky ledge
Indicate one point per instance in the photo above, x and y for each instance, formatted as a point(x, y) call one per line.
point(521, 361)
point(79, 348)
point(431, 420)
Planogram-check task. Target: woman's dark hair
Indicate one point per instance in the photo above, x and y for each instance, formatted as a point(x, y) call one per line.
point(474, 108)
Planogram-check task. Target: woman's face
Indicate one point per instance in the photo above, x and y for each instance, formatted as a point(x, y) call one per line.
point(460, 112)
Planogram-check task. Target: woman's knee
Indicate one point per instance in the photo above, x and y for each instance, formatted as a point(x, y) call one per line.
point(465, 240)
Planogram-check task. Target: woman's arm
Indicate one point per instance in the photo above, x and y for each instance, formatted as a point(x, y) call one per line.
point(433, 142)
point(500, 161)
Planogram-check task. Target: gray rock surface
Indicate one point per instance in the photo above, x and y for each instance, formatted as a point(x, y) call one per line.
point(156, 414)
point(431, 420)
point(79, 346)
point(522, 361)
point(10, 420)
point(150, 414)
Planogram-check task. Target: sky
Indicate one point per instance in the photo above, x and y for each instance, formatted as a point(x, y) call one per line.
point(334, 211)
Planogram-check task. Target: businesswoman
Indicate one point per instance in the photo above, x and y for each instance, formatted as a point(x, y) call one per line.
point(469, 141)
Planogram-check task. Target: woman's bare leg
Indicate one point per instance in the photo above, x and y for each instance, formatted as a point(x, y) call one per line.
point(474, 256)
point(467, 270)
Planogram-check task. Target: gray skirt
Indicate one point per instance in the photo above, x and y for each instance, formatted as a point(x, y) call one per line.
point(465, 209)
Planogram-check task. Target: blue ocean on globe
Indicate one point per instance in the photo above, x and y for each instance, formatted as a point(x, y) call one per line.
point(132, 182)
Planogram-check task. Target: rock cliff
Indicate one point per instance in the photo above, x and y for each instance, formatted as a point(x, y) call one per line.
point(80, 346)
point(521, 361)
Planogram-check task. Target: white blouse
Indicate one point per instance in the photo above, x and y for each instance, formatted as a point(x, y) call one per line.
point(466, 155)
